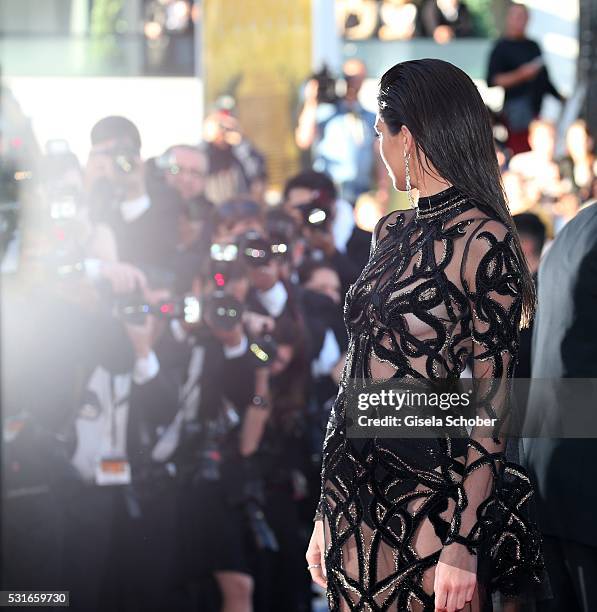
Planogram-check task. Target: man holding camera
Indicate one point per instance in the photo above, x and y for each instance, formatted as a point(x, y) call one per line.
point(235, 167)
point(188, 419)
point(327, 225)
point(184, 168)
point(69, 377)
point(142, 221)
point(276, 306)
point(341, 134)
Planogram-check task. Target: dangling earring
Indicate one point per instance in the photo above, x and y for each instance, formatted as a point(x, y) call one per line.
point(407, 175)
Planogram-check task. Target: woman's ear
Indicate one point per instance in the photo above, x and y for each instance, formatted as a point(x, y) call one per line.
point(407, 137)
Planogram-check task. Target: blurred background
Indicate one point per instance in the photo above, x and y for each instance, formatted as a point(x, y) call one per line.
point(188, 189)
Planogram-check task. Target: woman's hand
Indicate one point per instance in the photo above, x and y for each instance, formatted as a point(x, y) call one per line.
point(454, 586)
point(315, 553)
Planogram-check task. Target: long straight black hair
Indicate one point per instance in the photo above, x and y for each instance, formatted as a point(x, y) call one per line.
point(450, 124)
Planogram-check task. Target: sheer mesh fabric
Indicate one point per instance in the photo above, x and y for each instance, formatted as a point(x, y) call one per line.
point(442, 286)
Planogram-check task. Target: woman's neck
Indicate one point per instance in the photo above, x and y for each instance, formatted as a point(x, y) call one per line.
point(432, 186)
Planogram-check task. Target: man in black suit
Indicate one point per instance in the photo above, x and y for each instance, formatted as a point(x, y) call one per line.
point(565, 346)
point(335, 237)
point(142, 214)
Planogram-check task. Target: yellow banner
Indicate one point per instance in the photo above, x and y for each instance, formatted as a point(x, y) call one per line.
point(259, 51)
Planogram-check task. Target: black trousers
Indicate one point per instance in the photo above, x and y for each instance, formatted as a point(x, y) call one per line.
point(121, 549)
point(572, 571)
point(283, 576)
point(32, 540)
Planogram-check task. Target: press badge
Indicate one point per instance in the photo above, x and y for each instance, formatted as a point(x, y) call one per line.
point(113, 471)
point(12, 428)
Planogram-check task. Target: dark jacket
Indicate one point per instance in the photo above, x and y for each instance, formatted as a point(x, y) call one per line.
point(564, 346)
point(169, 414)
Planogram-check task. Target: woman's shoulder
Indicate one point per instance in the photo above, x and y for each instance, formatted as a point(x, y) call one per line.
point(395, 215)
point(381, 227)
point(481, 220)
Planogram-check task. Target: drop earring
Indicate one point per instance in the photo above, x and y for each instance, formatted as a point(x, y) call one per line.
point(407, 179)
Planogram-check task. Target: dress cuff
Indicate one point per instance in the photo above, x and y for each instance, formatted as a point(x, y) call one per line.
point(92, 268)
point(232, 352)
point(146, 368)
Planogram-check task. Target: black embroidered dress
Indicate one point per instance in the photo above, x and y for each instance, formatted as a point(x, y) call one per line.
point(442, 285)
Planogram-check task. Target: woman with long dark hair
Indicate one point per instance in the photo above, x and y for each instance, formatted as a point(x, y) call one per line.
point(432, 524)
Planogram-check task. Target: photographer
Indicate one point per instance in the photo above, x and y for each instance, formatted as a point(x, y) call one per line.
point(323, 315)
point(327, 225)
point(284, 461)
point(283, 455)
point(184, 168)
point(222, 426)
point(275, 305)
point(284, 231)
point(235, 167)
point(118, 538)
point(67, 365)
point(341, 134)
point(142, 220)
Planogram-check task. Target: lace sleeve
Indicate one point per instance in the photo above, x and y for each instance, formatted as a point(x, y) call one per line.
point(490, 275)
point(333, 431)
point(378, 232)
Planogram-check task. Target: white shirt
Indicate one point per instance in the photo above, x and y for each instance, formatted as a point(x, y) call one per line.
point(343, 224)
point(328, 356)
point(274, 299)
point(131, 210)
point(101, 426)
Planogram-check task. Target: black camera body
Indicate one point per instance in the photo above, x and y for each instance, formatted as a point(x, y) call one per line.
point(264, 349)
point(125, 159)
point(223, 310)
point(327, 91)
point(251, 249)
point(316, 212)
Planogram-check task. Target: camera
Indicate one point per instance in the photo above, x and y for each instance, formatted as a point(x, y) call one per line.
point(107, 193)
point(252, 248)
point(224, 263)
point(264, 349)
point(265, 538)
point(223, 310)
point(63, 203)
point(316, 212)
point(206, 441)
point(187, 308)
point(330, 90)
point(257, 250)
point(124, 158)
point(247, 489)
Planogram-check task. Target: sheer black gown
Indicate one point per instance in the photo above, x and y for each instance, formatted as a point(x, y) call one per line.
point(442, 285)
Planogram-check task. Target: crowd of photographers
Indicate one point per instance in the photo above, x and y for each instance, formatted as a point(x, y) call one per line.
point(172, 346)
point(171, 349)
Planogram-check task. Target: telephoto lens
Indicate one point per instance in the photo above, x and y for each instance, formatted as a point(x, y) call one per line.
point(316, 212)
point(255, 249)
point(223, 310)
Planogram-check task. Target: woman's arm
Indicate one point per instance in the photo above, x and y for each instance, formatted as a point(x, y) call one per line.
point(332, 433)
point(492, 283)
